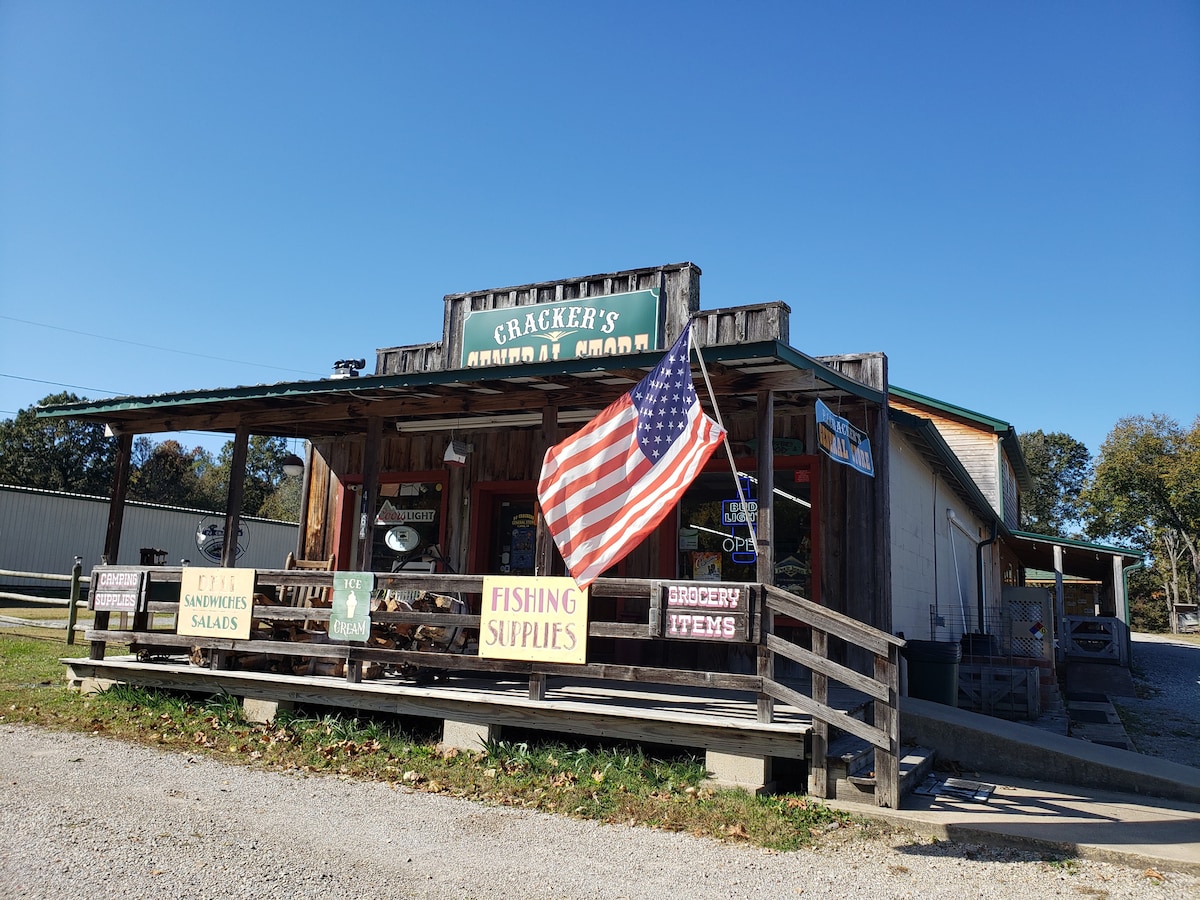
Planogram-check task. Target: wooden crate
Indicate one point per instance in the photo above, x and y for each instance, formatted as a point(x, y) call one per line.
point(1008, 692)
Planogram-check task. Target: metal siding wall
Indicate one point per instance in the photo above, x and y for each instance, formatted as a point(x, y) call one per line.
point(44, 532)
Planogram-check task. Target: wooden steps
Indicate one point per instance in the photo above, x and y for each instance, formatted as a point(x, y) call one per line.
point(851, 768)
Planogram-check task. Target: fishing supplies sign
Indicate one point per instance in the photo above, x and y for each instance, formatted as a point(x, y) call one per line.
point(604, 325)
point(350, 617)
point(533, 618)
point(699, 611)
point(117, 590)
point(842, 442)
point(215, 602)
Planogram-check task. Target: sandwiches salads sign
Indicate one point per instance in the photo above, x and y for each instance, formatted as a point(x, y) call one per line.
point(605, 325)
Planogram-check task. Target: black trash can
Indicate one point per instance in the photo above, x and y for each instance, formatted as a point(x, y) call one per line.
point(933, 670)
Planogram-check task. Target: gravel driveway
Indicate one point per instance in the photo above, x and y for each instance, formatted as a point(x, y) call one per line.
point(1164, 719)
point(91, 817)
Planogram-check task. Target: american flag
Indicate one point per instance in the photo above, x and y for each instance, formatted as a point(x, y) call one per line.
point(607, 486)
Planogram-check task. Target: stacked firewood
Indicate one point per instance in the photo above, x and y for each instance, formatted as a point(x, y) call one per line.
point(384, 636)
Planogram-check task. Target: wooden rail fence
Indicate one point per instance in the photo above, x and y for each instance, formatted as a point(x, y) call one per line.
point(72, 602)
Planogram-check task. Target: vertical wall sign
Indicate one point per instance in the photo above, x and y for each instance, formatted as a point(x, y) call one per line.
point(604, 325)
point(842, 442)
point(350, 618)
point(542, 619)
point(215, 602)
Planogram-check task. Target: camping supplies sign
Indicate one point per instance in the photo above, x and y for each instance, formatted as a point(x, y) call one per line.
point(541, 619)
point(718, 611)
point(117, 590)
point(350, 618)
point(842, 442)
point(215, 602)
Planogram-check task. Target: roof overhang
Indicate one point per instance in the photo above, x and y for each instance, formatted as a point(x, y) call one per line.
point(939, 457)
point(459, 399)
point(1079, 558)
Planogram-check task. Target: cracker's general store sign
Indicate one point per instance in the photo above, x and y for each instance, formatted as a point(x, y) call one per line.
point(604, 325)
point(701, 611)
point(215, 602)
point(350, 617)
point(541, 619)
point(117, 590)
point(842, 442)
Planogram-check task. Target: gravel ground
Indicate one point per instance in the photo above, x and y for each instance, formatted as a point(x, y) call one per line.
point(91, 817)
point(1164, 719)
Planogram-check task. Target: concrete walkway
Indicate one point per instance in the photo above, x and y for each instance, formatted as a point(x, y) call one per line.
point(1143, 832)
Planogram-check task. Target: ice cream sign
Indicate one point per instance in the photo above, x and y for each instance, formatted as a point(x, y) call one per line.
point(350, 617)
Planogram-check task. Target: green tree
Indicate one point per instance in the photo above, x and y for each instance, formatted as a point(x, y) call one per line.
point(1146, 490)
point(1059, 466)
point(56, 454)
point(166, 473)
point(264, 473)
point(284, 502)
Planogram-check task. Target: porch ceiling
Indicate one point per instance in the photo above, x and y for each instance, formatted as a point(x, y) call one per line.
point(1079, 558)
point(462, 398)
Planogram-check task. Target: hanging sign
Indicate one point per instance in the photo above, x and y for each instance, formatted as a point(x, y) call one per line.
point(842, 442)
point(350, 617)
point(531, 618)
point(117, 590)
point(215, 602)
point(604, 325)
point(715, 611)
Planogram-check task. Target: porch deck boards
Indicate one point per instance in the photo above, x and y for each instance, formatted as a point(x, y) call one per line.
point(720, 720)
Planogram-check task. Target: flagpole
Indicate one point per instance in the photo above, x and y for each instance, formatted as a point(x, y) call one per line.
point(712, 397)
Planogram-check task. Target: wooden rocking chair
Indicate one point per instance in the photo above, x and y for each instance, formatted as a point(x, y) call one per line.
point(306, 596)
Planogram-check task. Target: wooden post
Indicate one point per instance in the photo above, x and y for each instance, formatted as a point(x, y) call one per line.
point(73, 611)
point(370, 493)
point(764, 538)
point(112, 537)
point(305, 487)
point(544, 543)
point(818, 774)
point(233, 501)
point(887, 765)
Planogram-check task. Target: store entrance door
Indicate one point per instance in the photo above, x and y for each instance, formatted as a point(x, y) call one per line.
point(504, 531)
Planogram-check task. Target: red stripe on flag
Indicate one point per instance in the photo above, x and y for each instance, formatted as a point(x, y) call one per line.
point(601, 496)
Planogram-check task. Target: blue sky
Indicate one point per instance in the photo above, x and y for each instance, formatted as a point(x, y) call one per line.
point(1004, 198)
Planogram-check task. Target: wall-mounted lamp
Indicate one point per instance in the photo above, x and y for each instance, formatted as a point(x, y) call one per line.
point(456, 453)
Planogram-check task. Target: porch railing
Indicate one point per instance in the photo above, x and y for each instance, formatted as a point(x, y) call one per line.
point(151, 632)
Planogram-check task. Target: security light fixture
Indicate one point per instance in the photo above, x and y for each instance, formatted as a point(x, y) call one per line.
point(456, 453)
point(348, 368)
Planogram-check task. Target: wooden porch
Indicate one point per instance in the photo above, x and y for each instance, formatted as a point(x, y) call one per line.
point(741, 721)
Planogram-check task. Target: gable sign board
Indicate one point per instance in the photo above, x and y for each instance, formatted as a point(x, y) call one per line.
point(842, 442)
point(605, 325)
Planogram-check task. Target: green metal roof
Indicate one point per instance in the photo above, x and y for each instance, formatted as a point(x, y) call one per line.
point(340, 406)
point(1007, 434)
